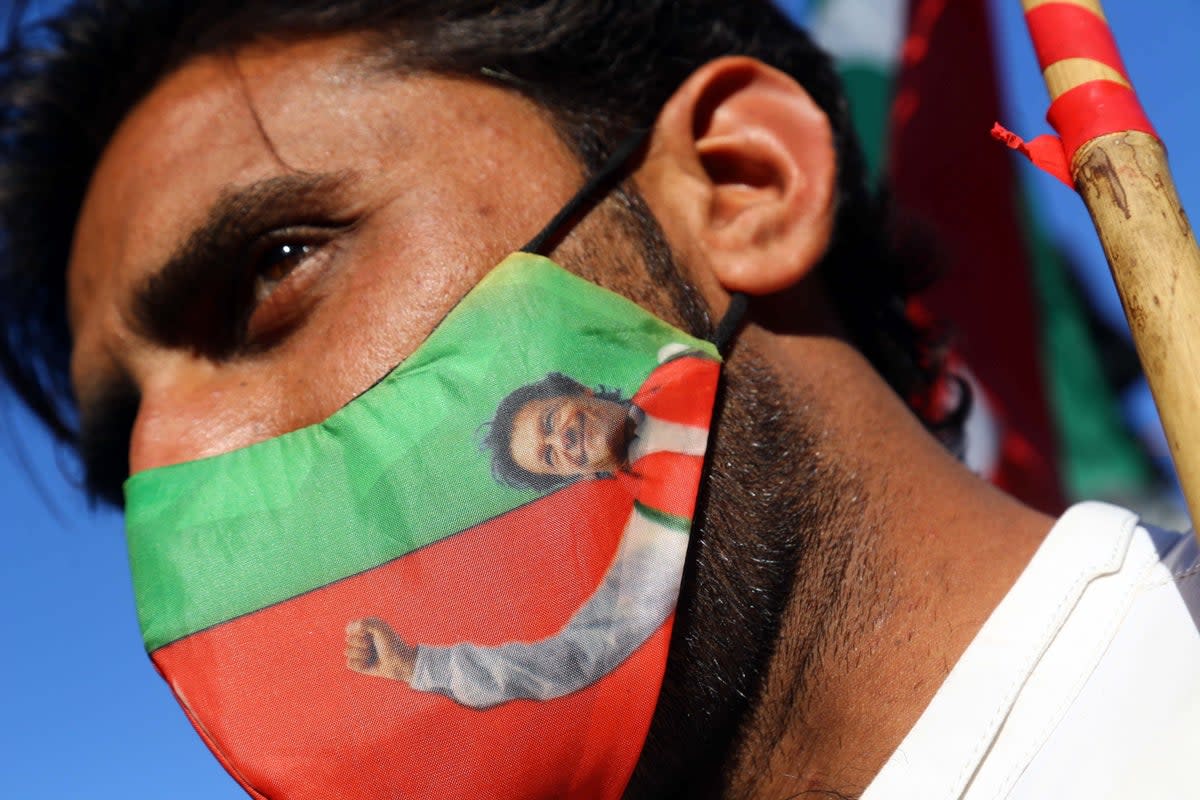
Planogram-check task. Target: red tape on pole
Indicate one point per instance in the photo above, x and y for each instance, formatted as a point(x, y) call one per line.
point(1094, 109)
point(1062, 31)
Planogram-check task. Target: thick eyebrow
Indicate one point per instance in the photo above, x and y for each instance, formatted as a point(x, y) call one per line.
point(194, 300)
point(200, 297)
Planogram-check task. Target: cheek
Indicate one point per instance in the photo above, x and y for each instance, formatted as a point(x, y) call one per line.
point(402, 275)
point(525, 456)
point(191, 410)
point(175, 424)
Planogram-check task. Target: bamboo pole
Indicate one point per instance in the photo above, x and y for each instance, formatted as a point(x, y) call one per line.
point(1151, 249)
point(1123, 179)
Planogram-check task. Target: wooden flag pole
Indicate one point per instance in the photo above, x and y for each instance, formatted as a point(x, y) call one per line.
point(1119, 167)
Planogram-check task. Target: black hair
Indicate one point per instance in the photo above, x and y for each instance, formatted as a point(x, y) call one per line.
point(599, 69)
point(498, 437)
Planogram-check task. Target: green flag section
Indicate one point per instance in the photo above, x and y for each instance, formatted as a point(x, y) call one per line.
point(396, 470)
point(273, 697)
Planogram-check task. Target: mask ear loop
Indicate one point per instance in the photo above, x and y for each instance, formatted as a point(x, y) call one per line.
point(722, 337)
point(596, 187)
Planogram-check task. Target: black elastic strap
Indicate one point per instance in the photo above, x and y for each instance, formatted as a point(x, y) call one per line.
point(729, 324)
point(595, 188)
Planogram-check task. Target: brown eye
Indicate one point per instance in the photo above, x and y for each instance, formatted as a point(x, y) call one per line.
point(276, 264)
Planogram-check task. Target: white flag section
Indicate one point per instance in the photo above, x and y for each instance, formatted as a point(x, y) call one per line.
point(861, 32)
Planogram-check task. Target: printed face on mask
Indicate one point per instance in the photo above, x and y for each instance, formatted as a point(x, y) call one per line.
point(570, 435)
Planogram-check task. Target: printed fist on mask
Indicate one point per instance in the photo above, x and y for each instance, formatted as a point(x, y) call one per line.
point(374, 648)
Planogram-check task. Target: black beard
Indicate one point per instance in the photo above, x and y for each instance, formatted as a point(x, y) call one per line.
point(761, 536)
point(765, 536)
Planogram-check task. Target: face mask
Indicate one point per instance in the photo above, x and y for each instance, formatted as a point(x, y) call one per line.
point(462, 583)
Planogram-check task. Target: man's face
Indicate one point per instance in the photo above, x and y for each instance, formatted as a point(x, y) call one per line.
point(267, 235)
point(569, 435)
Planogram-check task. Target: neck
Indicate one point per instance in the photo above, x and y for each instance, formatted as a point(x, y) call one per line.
point(918, 554)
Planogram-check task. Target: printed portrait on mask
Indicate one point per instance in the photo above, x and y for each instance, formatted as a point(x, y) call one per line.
point(545, 435)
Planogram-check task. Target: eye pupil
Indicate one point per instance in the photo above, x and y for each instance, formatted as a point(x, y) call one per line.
point(281, 260)
point(275, 264)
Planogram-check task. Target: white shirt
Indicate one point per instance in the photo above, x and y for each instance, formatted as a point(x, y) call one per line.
point(1083, 683)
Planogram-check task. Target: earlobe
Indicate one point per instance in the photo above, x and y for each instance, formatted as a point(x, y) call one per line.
point(741, 174)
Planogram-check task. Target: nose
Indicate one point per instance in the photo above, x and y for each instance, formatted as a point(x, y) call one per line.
point(183, 417)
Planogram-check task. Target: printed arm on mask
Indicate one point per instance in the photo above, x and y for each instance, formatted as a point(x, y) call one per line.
point(636, 595)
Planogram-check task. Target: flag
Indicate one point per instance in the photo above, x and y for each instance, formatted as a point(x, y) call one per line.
point(1019, 323)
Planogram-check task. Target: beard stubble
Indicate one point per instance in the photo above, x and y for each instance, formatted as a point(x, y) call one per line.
point(770, 545)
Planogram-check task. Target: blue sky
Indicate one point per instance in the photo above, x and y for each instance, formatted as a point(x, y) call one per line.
point(84, 714)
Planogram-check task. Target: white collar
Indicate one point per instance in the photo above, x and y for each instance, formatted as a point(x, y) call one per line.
point(943, 755)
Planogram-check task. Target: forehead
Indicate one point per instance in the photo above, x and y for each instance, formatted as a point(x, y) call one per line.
point(531, 412)
point(199, 130)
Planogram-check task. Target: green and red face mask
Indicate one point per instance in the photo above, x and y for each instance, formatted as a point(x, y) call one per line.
point(461, 584)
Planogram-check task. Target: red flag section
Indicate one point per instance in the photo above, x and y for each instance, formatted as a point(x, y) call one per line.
point(946, 170)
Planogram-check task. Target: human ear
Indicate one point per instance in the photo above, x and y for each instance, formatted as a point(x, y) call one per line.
point(740, 173)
